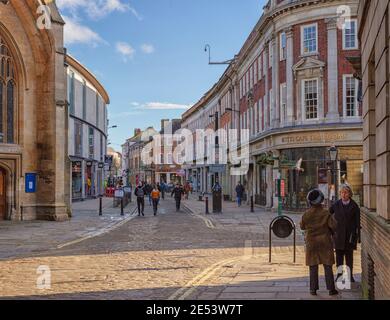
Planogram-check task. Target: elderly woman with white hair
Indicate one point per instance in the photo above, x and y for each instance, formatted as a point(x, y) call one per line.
point(347, 234)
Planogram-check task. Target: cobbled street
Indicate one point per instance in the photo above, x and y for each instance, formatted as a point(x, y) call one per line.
point(175, 255)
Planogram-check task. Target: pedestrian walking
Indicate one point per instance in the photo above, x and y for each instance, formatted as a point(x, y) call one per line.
point(187, 189)
point(239, 193)
point(347, 214)
point(156, 199)
point(318, 225)
point(178, 191)
point(140, 194)
point(163, 188)
point(148, 191)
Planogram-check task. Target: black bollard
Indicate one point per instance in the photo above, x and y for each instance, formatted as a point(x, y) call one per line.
point(207, 205)
point(122, 213)
point(252, 205)
point(100, 205)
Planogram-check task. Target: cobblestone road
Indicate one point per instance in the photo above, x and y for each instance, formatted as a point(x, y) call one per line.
point(175, 255)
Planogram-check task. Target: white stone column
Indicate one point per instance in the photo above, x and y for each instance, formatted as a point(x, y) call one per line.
point(276, 175)
point(275, 108)
point(290, 77)
point(333, 113)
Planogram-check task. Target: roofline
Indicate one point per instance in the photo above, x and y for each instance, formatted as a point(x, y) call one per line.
point(89, 76)
point(257, 33)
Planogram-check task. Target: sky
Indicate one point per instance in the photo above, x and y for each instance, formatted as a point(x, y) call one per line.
point(149, 54)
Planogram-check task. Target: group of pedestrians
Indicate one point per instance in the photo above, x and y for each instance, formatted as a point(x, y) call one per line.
point(154, 193)
point(327, 232)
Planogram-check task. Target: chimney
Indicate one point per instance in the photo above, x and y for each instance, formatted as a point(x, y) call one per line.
point(137, 132)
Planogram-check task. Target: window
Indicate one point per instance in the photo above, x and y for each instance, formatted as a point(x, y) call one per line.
point(97, 110)
point(271, 55)
point(247, 82)
point(251, 77)
point(255, 77)
point(78, 138)
point(283, 46)
point(84, 100)
point(309, 39)
point(260, 115)
point(283, 103)
point(350, 91)
point(71, 92)
point(264, 64)
point(8, 94)
point(310, 99)
point(350, 40)
point(91, 142)
point(101, 147)
point(260, 71)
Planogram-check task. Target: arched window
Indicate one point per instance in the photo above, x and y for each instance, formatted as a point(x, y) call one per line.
point(8, 89)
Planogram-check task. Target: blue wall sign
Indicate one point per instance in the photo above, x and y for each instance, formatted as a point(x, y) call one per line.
point(31, 182)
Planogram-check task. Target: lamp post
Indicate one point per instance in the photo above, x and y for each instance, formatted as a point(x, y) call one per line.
point(333, 153)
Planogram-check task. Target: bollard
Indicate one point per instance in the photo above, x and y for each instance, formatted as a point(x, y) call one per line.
point(207, 205)
point(100, 205)
point(122, 213)
point(252, 205)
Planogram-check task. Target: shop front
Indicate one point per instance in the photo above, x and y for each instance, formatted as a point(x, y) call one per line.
point(304, 169)
point(77, 180)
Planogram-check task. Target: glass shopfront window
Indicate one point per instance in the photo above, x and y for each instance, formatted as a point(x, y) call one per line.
point(306, 168)
point(76, 180)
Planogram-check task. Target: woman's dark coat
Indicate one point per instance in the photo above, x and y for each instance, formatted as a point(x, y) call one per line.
point(347, 232)
point(318, 224)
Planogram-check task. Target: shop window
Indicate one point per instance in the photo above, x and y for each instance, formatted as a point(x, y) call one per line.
point(78, 138)
point(91, 142)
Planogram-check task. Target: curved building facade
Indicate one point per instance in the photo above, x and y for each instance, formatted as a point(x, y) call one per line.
point(88, 102)
point(293, 87)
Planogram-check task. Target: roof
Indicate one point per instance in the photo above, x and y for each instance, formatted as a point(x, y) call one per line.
point(89, 76)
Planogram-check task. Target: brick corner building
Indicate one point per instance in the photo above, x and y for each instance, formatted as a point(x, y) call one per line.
point(374, 39)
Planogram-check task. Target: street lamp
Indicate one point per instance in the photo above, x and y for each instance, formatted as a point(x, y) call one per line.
point(333, 153)
point(113, 127)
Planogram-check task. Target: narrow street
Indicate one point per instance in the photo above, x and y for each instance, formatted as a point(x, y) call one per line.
point(170, 256)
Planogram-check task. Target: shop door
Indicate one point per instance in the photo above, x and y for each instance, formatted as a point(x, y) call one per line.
point(3, 199)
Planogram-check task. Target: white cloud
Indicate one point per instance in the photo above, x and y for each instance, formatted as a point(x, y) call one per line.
point(147, 48)
point(75, 32)
point(160, 106)
point(125, 50)
point(97, 9)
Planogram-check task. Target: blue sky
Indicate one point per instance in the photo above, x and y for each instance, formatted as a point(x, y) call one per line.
point(149, 54)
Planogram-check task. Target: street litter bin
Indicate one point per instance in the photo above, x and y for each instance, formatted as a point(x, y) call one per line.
point(217, 198)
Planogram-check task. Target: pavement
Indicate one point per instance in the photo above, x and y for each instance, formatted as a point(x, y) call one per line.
point(174, 255)
point(21, 238)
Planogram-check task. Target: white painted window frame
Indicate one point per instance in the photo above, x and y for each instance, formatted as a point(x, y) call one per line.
point(303, 101)
point(303, 53)
point(356, 47)
point(345, 76)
